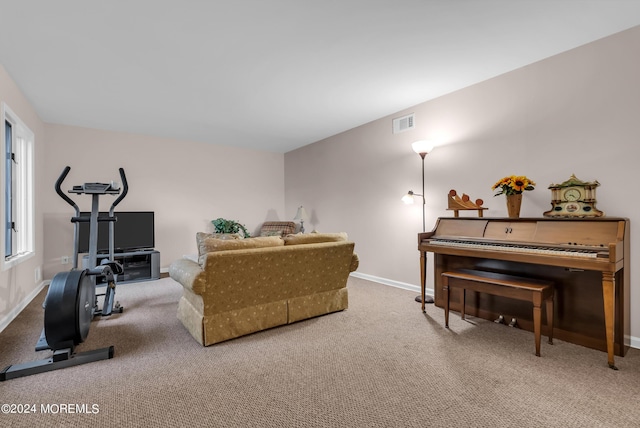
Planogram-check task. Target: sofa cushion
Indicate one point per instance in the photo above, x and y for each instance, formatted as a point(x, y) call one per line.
point(210, 245)
point(313, 238)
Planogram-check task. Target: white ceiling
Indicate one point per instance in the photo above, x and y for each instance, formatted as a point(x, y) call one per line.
point(275, 74)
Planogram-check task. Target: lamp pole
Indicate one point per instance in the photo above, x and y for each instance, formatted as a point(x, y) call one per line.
point(423, 148)
point(424, 202)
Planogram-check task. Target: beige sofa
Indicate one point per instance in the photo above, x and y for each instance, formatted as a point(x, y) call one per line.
point(241, 286)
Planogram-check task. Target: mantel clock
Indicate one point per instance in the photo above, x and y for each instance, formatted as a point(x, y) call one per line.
point(574, 198)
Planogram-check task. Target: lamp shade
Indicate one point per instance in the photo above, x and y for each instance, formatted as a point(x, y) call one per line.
point(422, 147)
point(301, 215)
point(408, 198)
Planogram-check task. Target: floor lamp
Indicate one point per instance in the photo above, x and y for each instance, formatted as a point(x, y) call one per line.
point(422, 148)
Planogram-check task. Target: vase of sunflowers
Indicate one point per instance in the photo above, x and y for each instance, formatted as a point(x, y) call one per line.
point(512, 187)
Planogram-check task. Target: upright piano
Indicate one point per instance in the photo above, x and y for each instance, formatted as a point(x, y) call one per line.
point(586, 258)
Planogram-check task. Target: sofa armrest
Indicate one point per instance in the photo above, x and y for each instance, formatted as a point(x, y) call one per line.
point(189, 274)
point(355, 262)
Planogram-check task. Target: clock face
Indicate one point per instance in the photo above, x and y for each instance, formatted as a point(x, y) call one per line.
point(572, 194)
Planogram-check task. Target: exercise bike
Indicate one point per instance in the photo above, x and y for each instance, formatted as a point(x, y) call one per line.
point(72, 302)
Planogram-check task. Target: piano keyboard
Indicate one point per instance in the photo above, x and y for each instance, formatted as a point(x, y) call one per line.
point(531, 249)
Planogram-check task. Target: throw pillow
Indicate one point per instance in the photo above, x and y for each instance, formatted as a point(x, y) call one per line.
point(285, 227)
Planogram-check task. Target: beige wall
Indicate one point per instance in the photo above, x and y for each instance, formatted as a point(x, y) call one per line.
point(577, 112)
point(186, 184)
point(18, 284)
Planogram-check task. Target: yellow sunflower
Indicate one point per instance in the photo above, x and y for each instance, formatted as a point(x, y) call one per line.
point(513, 184)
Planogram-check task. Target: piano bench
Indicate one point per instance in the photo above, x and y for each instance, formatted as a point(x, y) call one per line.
point(532, 290)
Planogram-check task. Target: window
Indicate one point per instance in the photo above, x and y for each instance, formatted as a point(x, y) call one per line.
point(18, 217)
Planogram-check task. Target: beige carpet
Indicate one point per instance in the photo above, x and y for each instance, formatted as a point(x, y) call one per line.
point(381, 363)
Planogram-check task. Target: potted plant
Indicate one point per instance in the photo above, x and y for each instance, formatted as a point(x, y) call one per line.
point(222, 225)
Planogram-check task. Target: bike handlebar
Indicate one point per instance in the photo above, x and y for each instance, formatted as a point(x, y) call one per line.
point(125, 189)
point(59, 191)
point(65, 172)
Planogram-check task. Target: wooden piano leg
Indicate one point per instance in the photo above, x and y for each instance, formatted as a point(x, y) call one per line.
point(445, 288)
point(464, 303)
point(608, 294)
point(549, 311)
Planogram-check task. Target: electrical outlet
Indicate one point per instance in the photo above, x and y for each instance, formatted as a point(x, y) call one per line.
point(38, 275)
point(65, 260)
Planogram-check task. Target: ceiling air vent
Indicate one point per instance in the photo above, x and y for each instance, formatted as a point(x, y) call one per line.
point(403, 123)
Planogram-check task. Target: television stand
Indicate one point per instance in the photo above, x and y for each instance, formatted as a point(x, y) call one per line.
point(142, 265)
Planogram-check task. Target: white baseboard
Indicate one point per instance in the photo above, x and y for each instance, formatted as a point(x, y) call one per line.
point(634, 342)
point(392, 283)
point(4, 322)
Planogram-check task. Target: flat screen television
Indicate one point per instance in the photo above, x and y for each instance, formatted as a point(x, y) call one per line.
point(133, 231)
